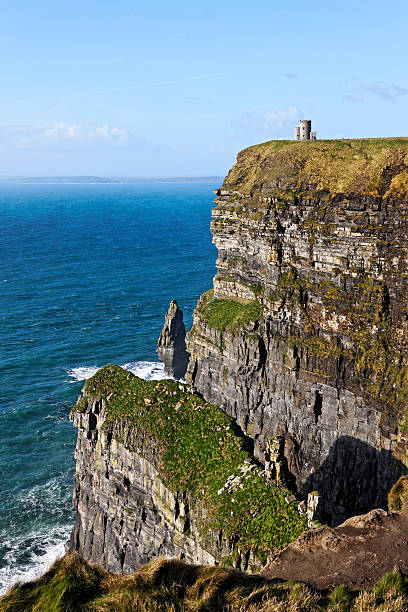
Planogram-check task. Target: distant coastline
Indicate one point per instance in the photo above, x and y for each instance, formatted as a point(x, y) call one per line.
point(117, 180)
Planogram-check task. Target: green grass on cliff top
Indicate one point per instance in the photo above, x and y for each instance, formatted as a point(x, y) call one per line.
point(362, 166)
point(197, 451)
point(165, 585)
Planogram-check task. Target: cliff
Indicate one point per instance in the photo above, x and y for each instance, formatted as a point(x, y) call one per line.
point(304, 335)
point(162, 473)
point(298, 372)
point(297, 382)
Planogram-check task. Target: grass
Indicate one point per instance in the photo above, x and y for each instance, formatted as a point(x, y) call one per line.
point(195, 449)
point(164, 585)
point(229, 314)
point(331, 166)
point(65, 586)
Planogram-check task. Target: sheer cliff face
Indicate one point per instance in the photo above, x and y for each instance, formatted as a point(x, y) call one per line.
point(305, 332)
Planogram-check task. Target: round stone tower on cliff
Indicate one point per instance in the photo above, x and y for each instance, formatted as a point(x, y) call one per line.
point(303, 131)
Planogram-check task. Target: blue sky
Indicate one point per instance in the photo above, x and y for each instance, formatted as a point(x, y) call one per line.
point(178, 88)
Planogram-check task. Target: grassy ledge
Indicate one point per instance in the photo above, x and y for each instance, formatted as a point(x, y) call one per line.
point(197, 452)
point(228, 314)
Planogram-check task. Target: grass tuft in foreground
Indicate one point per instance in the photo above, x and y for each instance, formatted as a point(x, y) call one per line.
point(163, 585)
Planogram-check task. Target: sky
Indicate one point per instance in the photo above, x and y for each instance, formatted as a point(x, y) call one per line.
point(130, 88)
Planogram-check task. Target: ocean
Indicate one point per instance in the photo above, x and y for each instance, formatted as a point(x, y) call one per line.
point(87, 272)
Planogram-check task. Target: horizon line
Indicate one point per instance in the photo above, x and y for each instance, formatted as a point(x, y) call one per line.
point(84, 178)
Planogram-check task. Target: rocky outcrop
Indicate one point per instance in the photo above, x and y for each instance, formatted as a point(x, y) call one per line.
point(304, 335)
point(171, 345)
point(161, 473)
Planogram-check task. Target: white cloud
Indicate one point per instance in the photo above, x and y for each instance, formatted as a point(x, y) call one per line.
point(61, 131)
point(269, 123)
point(280, 118)
point(61, 135)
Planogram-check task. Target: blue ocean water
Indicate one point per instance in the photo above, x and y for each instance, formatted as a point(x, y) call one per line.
point(86, 275)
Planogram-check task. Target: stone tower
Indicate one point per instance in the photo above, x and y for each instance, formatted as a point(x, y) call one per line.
point(303, 131)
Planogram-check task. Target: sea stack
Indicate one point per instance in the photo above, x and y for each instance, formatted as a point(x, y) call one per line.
point(171, 345)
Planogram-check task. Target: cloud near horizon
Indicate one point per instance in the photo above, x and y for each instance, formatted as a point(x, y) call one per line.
point(61, 135)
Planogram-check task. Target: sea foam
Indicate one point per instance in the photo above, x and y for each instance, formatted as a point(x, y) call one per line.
point(41, 549)
point(148, 370)
point(28, 554)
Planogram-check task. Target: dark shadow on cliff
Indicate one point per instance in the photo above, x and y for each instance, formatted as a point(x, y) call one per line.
point(354, 479)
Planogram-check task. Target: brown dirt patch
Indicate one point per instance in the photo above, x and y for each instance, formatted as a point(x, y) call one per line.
point(356, 553)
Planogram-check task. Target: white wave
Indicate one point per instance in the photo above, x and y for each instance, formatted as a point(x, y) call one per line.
point(148, 370)
point(82, 372)
point(44, 548)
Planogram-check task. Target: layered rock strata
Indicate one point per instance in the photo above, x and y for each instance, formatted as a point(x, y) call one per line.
point(162, 473)
point(304, 335)
point(171, 345)
point(301, 342)
point(125, 514)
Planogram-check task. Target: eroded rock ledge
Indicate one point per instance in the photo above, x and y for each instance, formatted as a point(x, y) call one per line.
point(356, 553)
